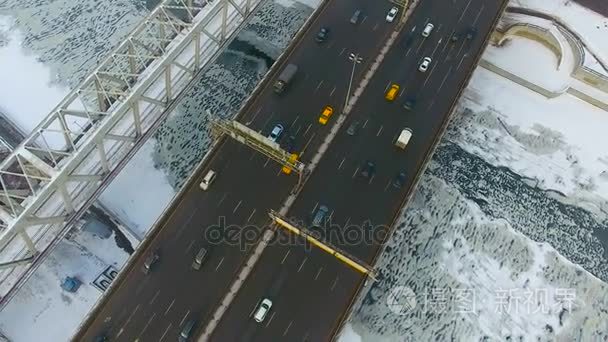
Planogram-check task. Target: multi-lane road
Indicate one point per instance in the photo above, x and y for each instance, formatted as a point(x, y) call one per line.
point(309, 301)
point(154, 307)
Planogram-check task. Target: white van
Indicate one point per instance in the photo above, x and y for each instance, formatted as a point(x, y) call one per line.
point(209, 177)
point(404, 138)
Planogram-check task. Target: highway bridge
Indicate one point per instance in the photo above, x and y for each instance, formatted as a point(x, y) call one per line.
point(312, 290)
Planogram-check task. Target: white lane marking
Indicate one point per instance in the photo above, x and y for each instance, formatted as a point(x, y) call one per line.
point(295, 134)
point(330, 215)
point(268, 120)
point(315, 208)
point(318, 273)
point(387, 185)
point(189, 246)
point(401, 92)
point(307, 128)
point(222, 200)
point(371, 179)
point(254, 116)
point(419, 46)
point(461, 59)
point(334, 284)
point(387, 85)
point(267, 161)
point(332, 91)
point(375, 27)
point(365, 123)
point(408, 51)
point(445, 78)
point(431, 104)
point(128, 320)
point(287, 329)
point(478, 14)
point(237, 206)
point(169, 307)
point(302, 264)
point(465, 11)
point(379, 131)
point(341, 52)
point(318, 86)
point(362, 21)
point(148, 324)
point(307, 143)
point(347, 221)
point(140, 286)
point(429, 76)
point(219, 264)
point(342, 162)
point(285, 257)
point(294, 122)
point(166, 331)
point(183, 319)
point(270, 319)
point(154, 298)
point(251, 215)
point(355, 173)
point(436, 46)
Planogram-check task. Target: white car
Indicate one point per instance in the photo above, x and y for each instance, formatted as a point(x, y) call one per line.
point(427, 30)
point(207, 180)
point(276, 132)
point(262, 310)
point(392, 14)
point(424, 66)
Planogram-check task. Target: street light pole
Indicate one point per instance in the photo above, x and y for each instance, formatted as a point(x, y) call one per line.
point(356, 59)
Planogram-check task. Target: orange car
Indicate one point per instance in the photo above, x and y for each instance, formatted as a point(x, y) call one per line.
point(292, 159)
point(325, 115)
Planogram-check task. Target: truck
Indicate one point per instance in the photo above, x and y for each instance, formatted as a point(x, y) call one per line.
point(285, 77)
point(404, 138)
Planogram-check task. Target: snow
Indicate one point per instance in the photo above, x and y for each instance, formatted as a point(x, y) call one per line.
point(27, 92)
point(539, 66)
point(543, 140)
point(128, 197)
point(290, 3)
point(588, 24)
point(348, 334)
point(46, 310)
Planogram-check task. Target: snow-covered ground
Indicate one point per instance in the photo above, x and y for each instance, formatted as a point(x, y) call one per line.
point(590, 26)
point(505, 239)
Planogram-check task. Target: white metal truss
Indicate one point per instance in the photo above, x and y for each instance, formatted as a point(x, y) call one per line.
point(48, 181)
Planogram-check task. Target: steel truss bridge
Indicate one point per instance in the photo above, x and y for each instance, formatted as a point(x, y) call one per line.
point(50, 179)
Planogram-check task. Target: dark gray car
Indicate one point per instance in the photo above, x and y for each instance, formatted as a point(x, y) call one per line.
point(319, 217)
point(187, 331)
point(355, 18)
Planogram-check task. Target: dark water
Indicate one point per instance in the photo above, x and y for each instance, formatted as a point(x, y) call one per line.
point(576, 233)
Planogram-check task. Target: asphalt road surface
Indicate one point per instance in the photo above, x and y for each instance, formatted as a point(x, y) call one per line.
point(309, 302)
point(154, 307)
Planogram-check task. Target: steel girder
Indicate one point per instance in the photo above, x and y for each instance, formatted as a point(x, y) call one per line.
point(49, 180)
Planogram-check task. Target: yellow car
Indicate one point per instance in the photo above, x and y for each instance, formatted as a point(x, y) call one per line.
point(325, 115)
point(392, 92)
point(286, 169)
